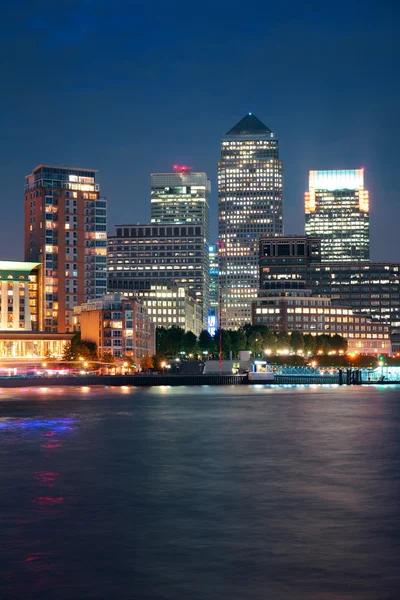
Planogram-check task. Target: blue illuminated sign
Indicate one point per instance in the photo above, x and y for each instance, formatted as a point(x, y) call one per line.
point(212, 324)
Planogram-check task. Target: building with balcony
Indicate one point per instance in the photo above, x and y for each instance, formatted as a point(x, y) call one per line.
point(21, 319)
point(117, 325)
point(66, 231)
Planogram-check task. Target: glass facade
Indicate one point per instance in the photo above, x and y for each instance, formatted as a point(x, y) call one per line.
point(181, 198)
point(250, 204)
point(337, 211)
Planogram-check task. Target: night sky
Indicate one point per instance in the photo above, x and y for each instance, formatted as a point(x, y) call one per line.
point(131, 88)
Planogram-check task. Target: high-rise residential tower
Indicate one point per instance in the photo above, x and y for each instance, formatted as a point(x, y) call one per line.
point(250, 204)
point(337, 211)
point(66, 231)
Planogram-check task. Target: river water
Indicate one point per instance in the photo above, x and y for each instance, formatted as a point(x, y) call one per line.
point(242, 492)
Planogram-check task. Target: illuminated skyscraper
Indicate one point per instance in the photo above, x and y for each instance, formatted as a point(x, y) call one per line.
point(66, 231)
point(250, 204)
point(337, 211)
point(182, 198)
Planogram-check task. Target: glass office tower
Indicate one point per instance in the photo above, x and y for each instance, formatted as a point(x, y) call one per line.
point(250, 204)
point(337, 211)
point(181, 197)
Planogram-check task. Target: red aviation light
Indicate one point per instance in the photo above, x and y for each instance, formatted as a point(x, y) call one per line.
point(182, 168)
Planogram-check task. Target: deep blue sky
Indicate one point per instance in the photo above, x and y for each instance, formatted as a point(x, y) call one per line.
point(132, 87)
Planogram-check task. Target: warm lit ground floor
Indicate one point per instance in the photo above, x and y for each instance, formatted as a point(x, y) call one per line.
point(28, 345)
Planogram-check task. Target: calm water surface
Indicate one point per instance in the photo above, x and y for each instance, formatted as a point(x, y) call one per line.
point(200, 493)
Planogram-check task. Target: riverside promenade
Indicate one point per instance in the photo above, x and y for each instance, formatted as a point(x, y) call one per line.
point(149, 380)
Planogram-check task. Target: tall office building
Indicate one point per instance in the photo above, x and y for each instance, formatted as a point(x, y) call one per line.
point(337, 211)
point(250, 204)
point(66, 231)
point(181, 197)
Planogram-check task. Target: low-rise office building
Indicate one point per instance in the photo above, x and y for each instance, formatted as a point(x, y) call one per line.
point(293, 263)
point(117, 325)
point(167, 306)
point(315, 315)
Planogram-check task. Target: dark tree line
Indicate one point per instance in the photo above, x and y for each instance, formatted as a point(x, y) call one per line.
point(260, 340)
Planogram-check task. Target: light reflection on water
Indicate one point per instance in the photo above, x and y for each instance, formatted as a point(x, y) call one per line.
point(219, 492)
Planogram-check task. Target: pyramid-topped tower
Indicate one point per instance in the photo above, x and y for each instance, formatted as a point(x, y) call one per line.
point(250, 205)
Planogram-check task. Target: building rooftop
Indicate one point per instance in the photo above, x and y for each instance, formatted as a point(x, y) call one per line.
point(249, 125)
point(11, 269)
point(64, 167)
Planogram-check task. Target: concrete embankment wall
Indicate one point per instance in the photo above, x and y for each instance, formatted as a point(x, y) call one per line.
point(151, 380)
point(118, 380)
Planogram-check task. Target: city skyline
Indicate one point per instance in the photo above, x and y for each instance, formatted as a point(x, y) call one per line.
point(293, 228)
point(325, 107)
